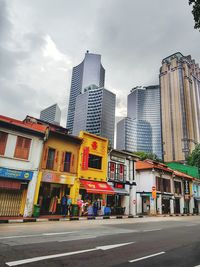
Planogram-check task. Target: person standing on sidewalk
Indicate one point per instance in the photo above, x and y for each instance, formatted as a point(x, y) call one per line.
point(69, 203)
point(64, 205)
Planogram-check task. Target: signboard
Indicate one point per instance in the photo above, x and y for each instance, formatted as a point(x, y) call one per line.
point(120, 186)
point(153, 192)
point(186, 187)
point(50, 177)
point(85, 158)
point(16, 174)
point(117, 159)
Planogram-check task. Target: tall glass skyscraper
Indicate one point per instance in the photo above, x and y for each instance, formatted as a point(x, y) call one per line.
point(143, 122)
point(95, 112)
point(89, 71)
point(51, 114)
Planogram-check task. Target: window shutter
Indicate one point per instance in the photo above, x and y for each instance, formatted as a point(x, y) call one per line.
point(62, 162)
point(22, 147)
point(3, 141)
point(44, 158)
point(55, 165)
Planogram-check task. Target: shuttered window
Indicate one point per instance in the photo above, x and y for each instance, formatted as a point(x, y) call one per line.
point(50, 159)
point(67, 162)
point(22, 147)
point(3, 141)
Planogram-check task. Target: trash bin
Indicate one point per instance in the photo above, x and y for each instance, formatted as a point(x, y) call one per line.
point(74, 211)
point(36, 210)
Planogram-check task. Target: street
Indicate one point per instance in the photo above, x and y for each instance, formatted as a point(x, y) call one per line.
point(150, 241)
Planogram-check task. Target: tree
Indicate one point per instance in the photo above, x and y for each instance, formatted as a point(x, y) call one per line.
point(194, 157)
point(196, 12)
point(144, 155)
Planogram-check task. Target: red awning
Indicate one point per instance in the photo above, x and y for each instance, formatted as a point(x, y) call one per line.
point(97, 187)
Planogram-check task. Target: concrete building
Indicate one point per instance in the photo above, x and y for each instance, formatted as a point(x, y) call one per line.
point(141, 130)
point(21, 144)
point(95, 113)
point(121, 176)
point(180, 102)
point(51, 114)
point(89, 71)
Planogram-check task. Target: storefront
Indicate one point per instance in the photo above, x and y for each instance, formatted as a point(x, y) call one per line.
point(91, 191)
point(13, 191)
point(177, 205)
point(166, 208)
point(53, 186)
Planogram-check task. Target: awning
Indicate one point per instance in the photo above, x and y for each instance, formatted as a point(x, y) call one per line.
point(121, 191)
point(97, 187)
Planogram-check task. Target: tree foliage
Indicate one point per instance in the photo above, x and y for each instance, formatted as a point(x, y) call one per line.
point(144, 155)
point(194, 157)
point(196, 12)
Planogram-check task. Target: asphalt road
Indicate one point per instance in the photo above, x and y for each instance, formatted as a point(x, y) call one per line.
point(122, 242)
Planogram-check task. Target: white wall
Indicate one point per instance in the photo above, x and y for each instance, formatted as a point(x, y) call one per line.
point(32, 164)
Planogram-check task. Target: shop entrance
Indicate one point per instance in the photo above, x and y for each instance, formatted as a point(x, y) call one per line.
point(115, 203)
point(177, 206)
point(49, 197)
point(10, 202)
point(165, 205)
point(145, 204)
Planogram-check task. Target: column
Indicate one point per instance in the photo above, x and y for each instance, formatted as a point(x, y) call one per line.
point(138, 203)
point(152, 206)
point(181, 205)
point(159, 204)
point(132, 200)
point(191, 205)
point(171, 206)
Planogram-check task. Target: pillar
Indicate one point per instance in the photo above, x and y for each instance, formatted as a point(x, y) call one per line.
point(191, 205)
point(74, 191)
point(159, 204)
point(182, 205)
point(171, 206)
point(37, 189)
point(132, 200)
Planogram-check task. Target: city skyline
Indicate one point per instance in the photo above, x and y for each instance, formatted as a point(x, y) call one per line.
point(42, 41)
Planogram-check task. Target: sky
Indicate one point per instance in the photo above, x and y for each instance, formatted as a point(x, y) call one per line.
point(41, 41)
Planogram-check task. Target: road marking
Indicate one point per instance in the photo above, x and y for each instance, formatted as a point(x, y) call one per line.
point(35, 259)
point(77, 238)
point(197, 266)
point(151, 230)
point(146, 257)
point(42, 234)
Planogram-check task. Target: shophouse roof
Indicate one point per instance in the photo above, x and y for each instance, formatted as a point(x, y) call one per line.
point(150, 164)
point(183, 175)
point(189, 170)
point(23, 125)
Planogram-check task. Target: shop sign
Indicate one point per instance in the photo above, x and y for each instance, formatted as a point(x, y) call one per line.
point(85, 158)
point(186, 187)
point(16, 174)
point(50, 177)
point(119, 186)
point(153, 192)
point(114, 158)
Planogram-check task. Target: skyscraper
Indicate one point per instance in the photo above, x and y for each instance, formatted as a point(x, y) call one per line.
point(143, 123)
point(180, 102)
point(51, 114)
point(89, 71)
point(95, 112)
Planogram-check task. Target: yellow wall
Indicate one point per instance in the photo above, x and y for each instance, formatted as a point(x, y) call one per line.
point(101, 151)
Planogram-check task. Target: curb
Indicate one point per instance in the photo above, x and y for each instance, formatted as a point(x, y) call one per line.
point(27, 220)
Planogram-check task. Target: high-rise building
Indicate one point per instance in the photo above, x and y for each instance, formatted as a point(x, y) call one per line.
point(142, 127)
point(95, 112)
point(51, 114)
point(180, 102)
point(134, 135)
point(89, 71)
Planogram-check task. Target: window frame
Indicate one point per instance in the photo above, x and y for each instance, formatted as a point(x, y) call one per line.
point(3, 145)
point(22, 149)
point(97, 157)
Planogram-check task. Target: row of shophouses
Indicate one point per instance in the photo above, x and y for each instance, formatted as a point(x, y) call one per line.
point(40, 162)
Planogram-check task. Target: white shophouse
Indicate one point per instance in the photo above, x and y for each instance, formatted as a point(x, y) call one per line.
point(157, 177)
point(121, 176)
point(21, 145)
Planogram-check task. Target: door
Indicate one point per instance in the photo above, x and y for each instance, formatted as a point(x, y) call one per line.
point(10, 202)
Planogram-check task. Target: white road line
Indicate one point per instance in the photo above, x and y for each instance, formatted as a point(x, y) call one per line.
point(197, 266)
point(151, 230)
point(146, 257)
point(35, 259)
point(42, 234)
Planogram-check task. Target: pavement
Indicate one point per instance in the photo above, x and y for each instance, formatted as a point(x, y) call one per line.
point(148, 241)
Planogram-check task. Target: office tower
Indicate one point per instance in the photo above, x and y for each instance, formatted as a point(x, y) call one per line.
point(89, 71)
point(51, 114)
point(134, 135)
point(180, 102)
point(95, 112)
point(143, 123)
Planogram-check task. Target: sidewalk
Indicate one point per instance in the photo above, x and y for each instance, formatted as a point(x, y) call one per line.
point(46, 218)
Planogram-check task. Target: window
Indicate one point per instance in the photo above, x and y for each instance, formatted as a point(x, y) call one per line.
point(94, 162)
point(22, 147)
point(121, 172)
point(50, 158)
point(163, 185)
point(177, 187)
point(111, 170)
point(67, 162)
point(3, 141)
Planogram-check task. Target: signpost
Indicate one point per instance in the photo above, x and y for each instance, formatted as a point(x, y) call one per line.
point(153, 192)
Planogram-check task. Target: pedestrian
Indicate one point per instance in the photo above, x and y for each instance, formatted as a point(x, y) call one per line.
point(95, 207)
point(64, 205)
point(80, 206)
point(69, 203)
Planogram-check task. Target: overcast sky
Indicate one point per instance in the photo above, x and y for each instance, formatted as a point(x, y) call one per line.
point(41, 40)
